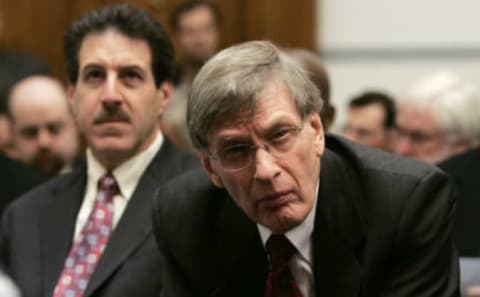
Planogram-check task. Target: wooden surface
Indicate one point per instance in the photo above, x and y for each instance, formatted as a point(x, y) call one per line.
point(38, 26)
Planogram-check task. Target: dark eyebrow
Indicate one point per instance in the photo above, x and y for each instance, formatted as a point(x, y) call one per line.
point(229, 140)
point(92, 66)
point(121, 68)
point(132, 67)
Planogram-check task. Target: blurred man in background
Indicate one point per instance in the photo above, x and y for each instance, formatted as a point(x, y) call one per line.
point(195, 26)
point(371, 119)
point(438, 118)
point(14, 66)
point(45, 134)
point(319, 76)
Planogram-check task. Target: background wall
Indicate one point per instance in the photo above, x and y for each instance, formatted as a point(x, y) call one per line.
point(388, 44)
point(38, 26)
point(365, 44)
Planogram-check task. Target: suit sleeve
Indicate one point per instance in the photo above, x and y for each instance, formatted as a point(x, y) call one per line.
point(425, 260)
point(174, 283)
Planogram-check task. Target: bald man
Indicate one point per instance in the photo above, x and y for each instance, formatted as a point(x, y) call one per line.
point(44, 132)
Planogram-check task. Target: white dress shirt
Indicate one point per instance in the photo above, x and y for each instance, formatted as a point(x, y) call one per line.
point(127, 175)
point(301, 264)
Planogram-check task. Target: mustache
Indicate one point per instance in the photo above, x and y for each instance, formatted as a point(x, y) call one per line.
point(108, 115)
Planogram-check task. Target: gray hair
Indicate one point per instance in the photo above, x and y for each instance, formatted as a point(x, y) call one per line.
point(231, 82)
point(454, 102)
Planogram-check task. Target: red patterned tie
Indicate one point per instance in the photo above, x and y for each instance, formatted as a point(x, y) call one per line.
point(87, 250)
point(280, 281)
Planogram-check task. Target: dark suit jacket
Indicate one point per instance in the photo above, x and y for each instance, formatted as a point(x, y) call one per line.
point(382, 228)
point(16, 179)
point(38, 229)
point(465, 171)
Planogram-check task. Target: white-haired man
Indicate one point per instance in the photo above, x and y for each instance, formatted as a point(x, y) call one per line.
point(438, 118)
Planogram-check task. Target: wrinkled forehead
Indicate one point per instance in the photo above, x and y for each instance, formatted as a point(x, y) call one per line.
point(259, 119)
point(231, 120)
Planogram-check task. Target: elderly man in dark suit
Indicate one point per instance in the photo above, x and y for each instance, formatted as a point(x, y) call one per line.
point(284, 210)
point(70, 237)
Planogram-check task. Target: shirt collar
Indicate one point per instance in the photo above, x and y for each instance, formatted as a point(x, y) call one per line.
point(128, 173)
point(299, 236)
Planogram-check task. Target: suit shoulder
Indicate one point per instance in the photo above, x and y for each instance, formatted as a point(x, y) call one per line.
point(35, 197)
point(187, 159)
point(190, 196)
point(187, 191)
point(171, 161)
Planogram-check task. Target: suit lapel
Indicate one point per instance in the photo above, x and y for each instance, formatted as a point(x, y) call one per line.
point(57, 223)
point(337, 232)
point(135, 224)
point(243, 260)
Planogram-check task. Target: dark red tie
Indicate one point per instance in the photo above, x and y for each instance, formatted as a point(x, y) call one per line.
point(86, 252)
point(280, 281)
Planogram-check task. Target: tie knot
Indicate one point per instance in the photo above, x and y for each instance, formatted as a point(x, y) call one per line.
point(108, 184)
point(280, 250)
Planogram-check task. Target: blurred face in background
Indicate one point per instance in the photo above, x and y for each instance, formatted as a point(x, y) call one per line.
point(366, 125)
point(197, 34)
point(419, 135)
point(45, 134)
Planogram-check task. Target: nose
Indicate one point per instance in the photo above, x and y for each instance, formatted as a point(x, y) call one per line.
point(111, 96)
point(266, 167)
point(403, 146)
point(44, 138)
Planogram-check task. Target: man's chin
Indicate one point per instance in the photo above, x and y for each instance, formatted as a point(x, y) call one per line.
point(113, 152)
point(280, 220)
point(111, 145)
point(49, 166)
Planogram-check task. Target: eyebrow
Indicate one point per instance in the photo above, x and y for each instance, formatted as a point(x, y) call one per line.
point(120, 68)
point(132, 67)
point(280, 122)
point(228, 140)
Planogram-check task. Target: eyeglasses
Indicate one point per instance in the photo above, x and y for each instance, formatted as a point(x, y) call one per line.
point(415, 137)
point(239, 156)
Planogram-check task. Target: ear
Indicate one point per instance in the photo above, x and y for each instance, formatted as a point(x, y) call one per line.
point(207, 166)
point(165, 92)
point(318, 133)
point(71, 92)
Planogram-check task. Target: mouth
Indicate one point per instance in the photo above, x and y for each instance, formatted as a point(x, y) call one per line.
point(276, 199)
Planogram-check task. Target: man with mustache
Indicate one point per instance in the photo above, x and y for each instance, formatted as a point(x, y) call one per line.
point(44, 131)
point(89, 232)
point(285, 210)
